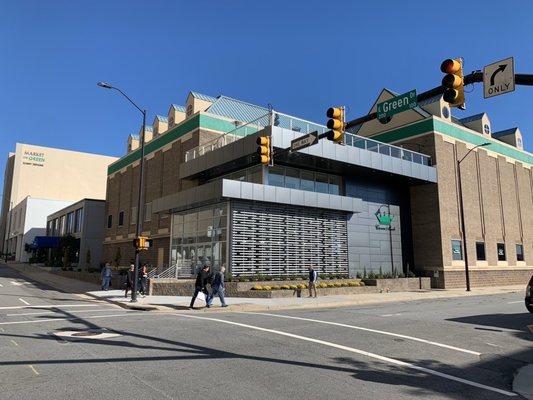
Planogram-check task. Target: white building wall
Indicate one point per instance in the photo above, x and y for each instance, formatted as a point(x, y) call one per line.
point(32, 221)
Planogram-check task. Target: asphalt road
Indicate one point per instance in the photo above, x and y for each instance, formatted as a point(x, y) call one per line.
point(467, 348)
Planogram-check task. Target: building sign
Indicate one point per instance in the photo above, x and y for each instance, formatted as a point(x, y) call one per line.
point(33, 158)
point(384, 218)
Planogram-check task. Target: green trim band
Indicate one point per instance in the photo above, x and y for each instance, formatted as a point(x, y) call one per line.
point(445, 128)
point(198, 121)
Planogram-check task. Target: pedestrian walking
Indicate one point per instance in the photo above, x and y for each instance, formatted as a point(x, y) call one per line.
point(202, 279)
point(106, 274)
point(144, 280)
point(313, 277)
point(218, 288)
point(130, 276)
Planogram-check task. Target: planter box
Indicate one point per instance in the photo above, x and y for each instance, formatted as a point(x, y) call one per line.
point(399, 284)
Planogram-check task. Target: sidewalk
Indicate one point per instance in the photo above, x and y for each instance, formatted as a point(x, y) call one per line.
point(255, 304)
point(166, 303)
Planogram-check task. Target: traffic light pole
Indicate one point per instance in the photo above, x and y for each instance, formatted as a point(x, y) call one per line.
point(138, 228)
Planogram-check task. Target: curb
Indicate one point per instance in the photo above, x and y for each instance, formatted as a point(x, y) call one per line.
point(523, 382)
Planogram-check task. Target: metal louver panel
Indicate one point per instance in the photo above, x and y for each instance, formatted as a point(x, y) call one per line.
point(273, 239)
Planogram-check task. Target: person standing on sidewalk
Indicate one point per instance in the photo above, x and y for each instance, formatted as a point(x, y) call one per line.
point(129, 279)
point(202, 279)
point(313, 277)
point(144, 280)
point(106, 274)
point(218, 287)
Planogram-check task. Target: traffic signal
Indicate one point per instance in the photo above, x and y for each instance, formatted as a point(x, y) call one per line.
point(263, 149)
point(453, 82)
point(336, 123)
point(142, 243)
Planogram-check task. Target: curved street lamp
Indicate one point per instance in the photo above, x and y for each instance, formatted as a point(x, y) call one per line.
point(138, 225)
point(467, 273)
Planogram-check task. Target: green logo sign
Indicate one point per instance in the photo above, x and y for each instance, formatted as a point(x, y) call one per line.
point(384, 217)
point(398, 104)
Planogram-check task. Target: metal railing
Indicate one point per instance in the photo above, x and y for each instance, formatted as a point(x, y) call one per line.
point(303, 126)
point(387, 149)
point(239, 132)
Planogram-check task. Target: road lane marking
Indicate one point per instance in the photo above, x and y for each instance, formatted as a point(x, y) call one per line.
point(492, 344)
point(33, 369)
point(14, 343)
point(515, 302)
point(1, 285)
point(48, 306)
point(82, 319)
point(55, 312)
point(19, 283)
point(357, 351)
point(391, 315)
point(416, 339)
point(24, 301)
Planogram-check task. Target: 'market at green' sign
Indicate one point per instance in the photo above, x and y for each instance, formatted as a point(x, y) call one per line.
point(397, 104)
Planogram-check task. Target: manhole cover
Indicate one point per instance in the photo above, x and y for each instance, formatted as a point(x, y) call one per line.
point(87, 333)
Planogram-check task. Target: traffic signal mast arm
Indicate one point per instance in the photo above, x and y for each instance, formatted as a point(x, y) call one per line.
point(474, 77)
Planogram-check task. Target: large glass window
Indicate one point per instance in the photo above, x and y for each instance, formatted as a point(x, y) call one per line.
point(78, 220)
point(334, 184)
point(307, 181)
point(304, 180)
point(500, 247)
point(457, 250)
point(292, 178)
point(276, 176)
point(121, 218)
point(322, 183)
point(480, 251)
point(70, 222)
point(199, 238)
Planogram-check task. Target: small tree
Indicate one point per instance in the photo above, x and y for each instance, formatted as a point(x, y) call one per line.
point(118, 256)
point(88, 258)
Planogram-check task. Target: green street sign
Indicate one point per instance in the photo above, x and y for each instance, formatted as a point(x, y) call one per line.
point(398, 104)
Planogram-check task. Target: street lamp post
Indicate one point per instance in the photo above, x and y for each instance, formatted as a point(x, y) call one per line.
point(463, 230)
point(8, 231)
point(138, 225)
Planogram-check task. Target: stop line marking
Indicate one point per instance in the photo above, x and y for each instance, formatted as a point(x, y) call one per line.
point(358, 351)
point(24, 301)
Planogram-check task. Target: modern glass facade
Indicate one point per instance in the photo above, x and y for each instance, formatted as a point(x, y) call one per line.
point(199, 237)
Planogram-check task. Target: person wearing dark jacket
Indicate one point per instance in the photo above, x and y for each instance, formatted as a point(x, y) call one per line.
point(313, 277)
point(130, 275)
point(202, 279)
point(218, 288)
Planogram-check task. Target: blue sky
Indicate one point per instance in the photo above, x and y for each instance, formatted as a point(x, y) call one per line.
point(300, 58)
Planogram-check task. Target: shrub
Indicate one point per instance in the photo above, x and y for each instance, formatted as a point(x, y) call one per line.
point(353, 284)
point(364, 273)
point(275, 287)
point(285, 287)
point(267, 288)
point(372, 275)
point(358, 275)
point(330, 284)
point(301, 286)
point(257, 287)
point(361, 283)
point(337, 284)
point(411, 274)
point(294, 287)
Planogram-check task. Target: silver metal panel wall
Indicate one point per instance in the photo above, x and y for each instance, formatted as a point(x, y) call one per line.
point(274, 239)
point(369, 243)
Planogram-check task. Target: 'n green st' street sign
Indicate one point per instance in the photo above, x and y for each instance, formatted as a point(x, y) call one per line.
point(398, 104)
